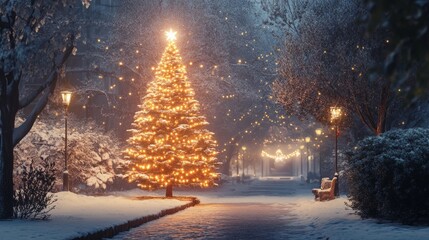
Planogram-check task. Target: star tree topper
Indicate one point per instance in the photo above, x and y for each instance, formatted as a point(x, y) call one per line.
point(171, 36)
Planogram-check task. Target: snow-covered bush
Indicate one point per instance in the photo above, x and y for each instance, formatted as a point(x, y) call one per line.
point(94, 157)
point(388, 176)
point(33, 198)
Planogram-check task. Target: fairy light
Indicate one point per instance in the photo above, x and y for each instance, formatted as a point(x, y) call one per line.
point(279, 155)
point(264, 57)
point(170, 108)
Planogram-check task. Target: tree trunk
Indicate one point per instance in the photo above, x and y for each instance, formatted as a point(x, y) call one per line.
point(169, 191)
point(6, 168)
point(9, 100)
point(229, 153)
point(382, 108)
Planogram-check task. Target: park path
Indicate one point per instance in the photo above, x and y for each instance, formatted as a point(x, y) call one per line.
point(240, 219)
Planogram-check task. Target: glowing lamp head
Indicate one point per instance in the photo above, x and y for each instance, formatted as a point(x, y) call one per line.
point(307, 139)
point(335, 113)
point(66, 96)
point(171, 36)
point(243, 148)
point(318, 131)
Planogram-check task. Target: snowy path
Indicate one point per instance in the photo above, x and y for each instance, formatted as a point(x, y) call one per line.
point(221, 221)
point(269, 209)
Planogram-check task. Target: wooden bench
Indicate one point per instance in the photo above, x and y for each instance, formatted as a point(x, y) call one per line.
point(326, 190)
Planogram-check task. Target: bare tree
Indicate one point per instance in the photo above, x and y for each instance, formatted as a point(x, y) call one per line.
point(327, 62)
point(36, 39)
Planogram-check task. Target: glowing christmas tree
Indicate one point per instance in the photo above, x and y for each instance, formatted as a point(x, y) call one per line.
point(170, 145)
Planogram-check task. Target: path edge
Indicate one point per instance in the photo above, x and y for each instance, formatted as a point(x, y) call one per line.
point(109, 232)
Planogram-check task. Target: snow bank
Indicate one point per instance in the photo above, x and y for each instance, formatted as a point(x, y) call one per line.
point(333, 220)
point(76, 215)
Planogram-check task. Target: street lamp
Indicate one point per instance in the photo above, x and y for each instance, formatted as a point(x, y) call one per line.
point(335, 116)
point(242, 159)
point(66, 96)
point(302, 166)
point(318, 133)
point(307, 141)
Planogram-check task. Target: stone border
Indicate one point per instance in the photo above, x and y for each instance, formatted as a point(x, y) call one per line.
point(116, 229)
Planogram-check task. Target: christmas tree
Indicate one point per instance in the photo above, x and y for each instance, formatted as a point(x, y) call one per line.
point(170, 145)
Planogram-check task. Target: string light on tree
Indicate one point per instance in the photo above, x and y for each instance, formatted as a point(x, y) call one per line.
point(169, 145)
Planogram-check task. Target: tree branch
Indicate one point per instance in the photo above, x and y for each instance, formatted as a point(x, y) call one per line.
point(51, 78)
point(46, 89)
point(20, 132)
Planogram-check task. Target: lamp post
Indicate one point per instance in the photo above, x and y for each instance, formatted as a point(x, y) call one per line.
point(236, 164)
point(307, 141)
point(66, 96)
point(242, 160)
point(318, 133)
point(302, 165)
point(335, 116)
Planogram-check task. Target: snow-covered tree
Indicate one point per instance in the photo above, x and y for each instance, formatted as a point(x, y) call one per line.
point(170, 144)
point(232, 60)
point(36, 39)
point(94, 157)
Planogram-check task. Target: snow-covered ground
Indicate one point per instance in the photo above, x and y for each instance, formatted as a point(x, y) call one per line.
point(321, 220)
point(76, 215)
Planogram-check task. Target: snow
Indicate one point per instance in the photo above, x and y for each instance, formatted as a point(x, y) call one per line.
point(334, 220)
point(76, 215)
point(93, 156)
point(322, 220)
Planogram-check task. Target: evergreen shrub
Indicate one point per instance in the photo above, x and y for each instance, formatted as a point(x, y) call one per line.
point(388, 176)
